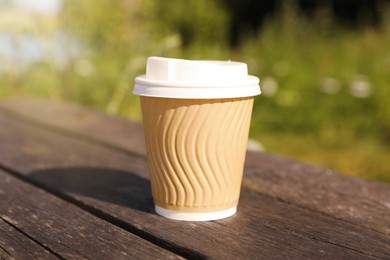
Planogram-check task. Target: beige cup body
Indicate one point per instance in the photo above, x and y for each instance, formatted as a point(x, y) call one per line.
point(196, 151)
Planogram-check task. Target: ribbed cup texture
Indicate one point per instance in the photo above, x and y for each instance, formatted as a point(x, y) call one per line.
point(196, 151)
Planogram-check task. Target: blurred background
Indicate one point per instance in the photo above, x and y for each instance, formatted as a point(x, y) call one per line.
point(324, 65)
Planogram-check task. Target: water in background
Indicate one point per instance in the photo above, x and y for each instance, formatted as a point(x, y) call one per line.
point(29, 34)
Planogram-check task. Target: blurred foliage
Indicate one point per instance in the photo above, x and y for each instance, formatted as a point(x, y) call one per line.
point(332, 101)
point(118, 39)
point(325, 88)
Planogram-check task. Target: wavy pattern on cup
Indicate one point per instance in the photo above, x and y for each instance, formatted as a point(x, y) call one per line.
point(196, 151)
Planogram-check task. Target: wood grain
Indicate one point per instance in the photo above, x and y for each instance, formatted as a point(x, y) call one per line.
point(113, 185)
point(16, 245)
point(80, 122)
point(36, 224)
point(365, 203)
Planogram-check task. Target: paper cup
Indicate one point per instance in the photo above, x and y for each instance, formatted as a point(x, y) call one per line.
point(196, 146)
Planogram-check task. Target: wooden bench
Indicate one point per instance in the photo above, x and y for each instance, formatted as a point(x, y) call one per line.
point(74, 184)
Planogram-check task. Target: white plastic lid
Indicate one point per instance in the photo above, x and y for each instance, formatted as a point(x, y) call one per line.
point(178, 78)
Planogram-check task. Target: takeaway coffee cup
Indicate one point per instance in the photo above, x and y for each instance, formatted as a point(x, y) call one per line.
point(196, 118)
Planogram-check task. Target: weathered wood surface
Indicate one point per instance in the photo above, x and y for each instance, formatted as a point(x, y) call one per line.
point(112, 184)
point(15, 244)
point(48, 227)
point(363, 202)
point(366, 203)
point(117, 133)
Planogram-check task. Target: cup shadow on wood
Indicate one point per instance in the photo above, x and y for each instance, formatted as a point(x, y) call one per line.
point(109, 185)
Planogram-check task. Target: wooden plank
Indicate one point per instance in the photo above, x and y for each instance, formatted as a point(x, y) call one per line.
point(81, 121)
point(34, 223)
point(358, 201)
point(114, 183)
point(16, 245)
point(355, 200)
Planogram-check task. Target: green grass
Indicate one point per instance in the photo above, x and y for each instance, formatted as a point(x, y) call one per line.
point(326, 88)
point(344, 126)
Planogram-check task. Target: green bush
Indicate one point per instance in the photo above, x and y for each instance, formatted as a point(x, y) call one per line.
point(325, 88)
point(332, 91)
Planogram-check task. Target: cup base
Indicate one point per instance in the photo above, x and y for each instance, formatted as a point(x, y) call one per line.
point(191, 216)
